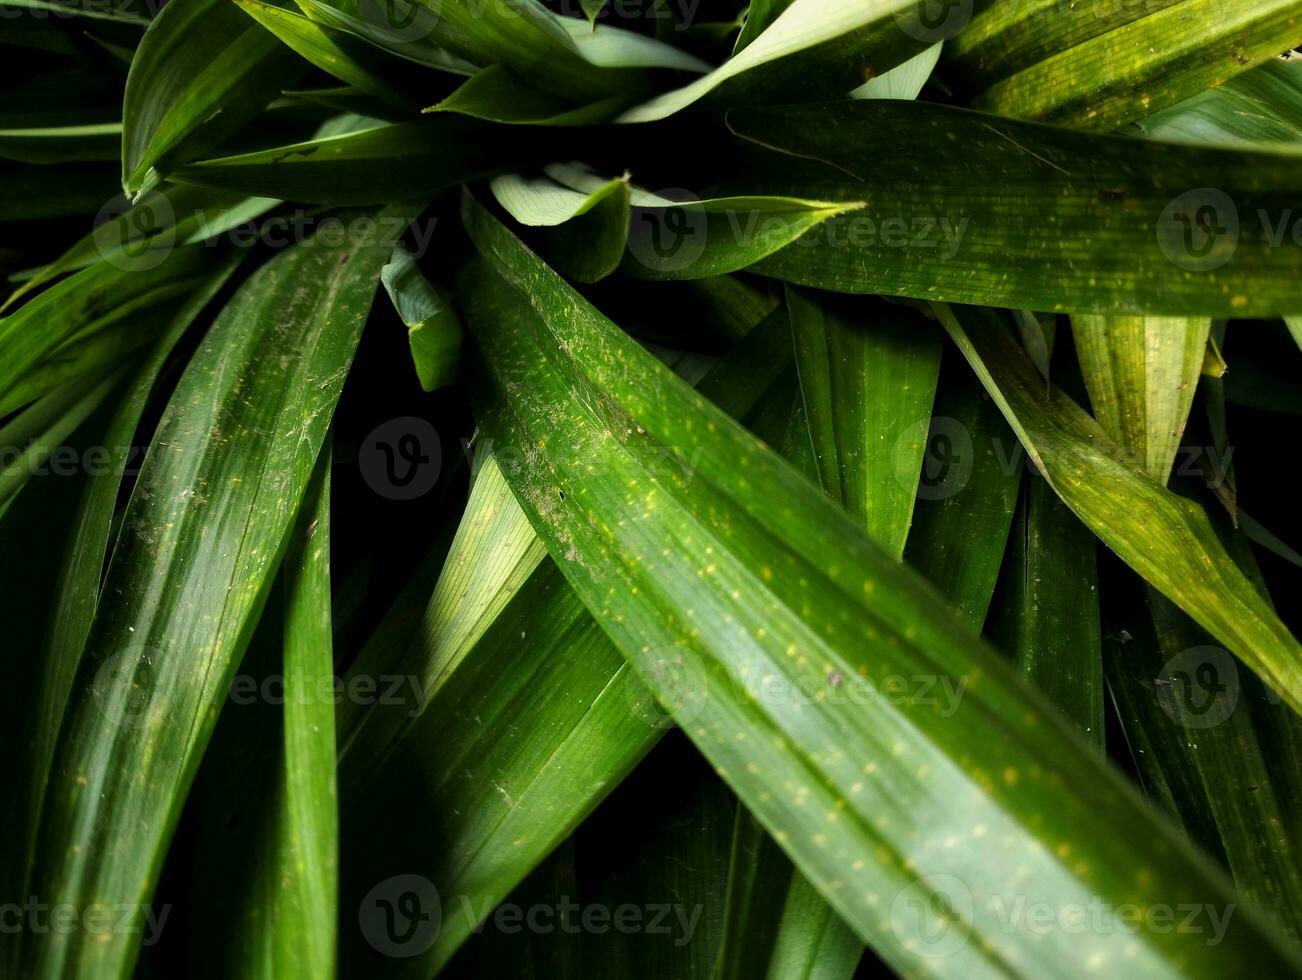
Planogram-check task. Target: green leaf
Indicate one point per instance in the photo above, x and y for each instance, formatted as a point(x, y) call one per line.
point(227, 468)
point(968, 208)
point(688, 238)
point(1087, 75)
point(814, 49)
point(162, 219)
point(86, 359)
point(592, 9)
point(1048, 619)
point(70, 589)
point(582, 716)
point(496, 94)
point(417, 158)
point(1205, 739)
point(334, 51)
point(772, 583)
point(1263, 105)
point(904, 81)
point(1142, 374)
point(29, 439)
point(183, 98)
point(433, 327)
point(91, 300)
point(561, 55)
point(777, 925)
point(399, 27)
point(298, 923)
point(966, 497)
point(585, 220)
point(1167, 539)
point(868, 375)
point(63, 144)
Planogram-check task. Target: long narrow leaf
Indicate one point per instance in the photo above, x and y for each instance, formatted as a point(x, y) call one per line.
point(763, 551)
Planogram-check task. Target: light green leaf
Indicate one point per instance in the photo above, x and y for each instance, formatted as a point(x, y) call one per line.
point(1142, 374)
point(433, 327)
point(903, 81)
point(688, 238)
point(772, 581)
point(1167, 539)
point(813, 48)
point(584, 220)
point(1263, 105)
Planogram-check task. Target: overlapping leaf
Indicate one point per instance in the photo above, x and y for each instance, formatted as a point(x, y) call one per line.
point(769, 583)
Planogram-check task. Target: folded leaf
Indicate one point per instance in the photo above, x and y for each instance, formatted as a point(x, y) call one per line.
point(433, 327)
point(585, 219)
